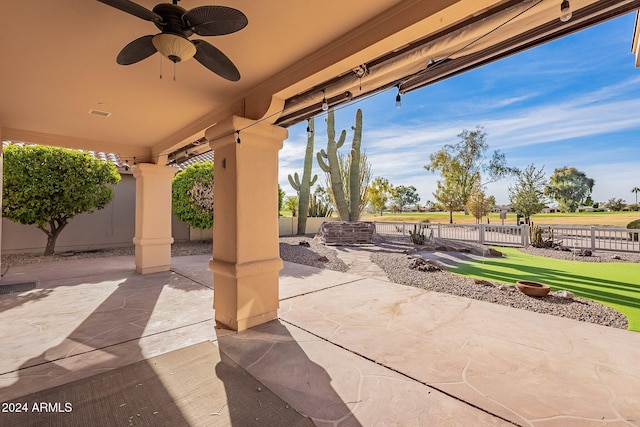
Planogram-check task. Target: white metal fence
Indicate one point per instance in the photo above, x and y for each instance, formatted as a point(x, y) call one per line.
point(505, 235)
point(593, 238)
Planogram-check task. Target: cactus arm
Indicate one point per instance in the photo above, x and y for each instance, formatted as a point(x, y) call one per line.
point(295, 182)
point(313, 180)
point(321, 163)
point(343, 136)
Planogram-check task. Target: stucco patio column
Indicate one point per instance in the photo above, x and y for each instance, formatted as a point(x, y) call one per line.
point(246, 258)
point(153, 217)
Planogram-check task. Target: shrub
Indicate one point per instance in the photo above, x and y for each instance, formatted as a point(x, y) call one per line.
point(192, 195)
point(634, 225)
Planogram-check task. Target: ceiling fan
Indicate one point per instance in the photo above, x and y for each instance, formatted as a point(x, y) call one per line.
point(177, 25)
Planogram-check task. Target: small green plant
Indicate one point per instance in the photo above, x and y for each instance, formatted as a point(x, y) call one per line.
point(318, 207)
point(538, 241)
point(417, 235)
point(634, 225)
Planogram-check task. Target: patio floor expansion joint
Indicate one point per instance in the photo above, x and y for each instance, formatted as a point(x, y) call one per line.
point(402, 373)
point(107, 346)
point(191, 279)
point(324, 289)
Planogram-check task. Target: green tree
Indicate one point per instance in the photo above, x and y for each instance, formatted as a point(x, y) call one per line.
point(636, 190)
point(448, 195)
point(291, 204)
point(462, 164)
point(478, 204)
point(48, 186)
point(615, 205)
point(379, 193)
point(569, 187)
point(527, 194)
point(403, 196)
point(281, 195)
point(192, 195)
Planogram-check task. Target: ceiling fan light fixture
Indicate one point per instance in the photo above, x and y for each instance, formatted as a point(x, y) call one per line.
point(176, 48)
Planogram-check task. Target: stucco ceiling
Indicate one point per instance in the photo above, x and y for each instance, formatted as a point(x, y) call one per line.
point(58, 62)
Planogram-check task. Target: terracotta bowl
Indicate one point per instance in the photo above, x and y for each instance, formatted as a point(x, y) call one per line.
point(533, 289)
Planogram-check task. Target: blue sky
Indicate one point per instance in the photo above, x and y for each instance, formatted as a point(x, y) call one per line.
point(571, 102)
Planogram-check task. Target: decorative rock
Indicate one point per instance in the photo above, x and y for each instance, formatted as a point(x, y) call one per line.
point(346, 233)
point(616, 257)
point(495, 253)
point(563, 294)
point(482, 282)
point(305, 244)
point(584, 252)
point(323, 259)
point(422, 264)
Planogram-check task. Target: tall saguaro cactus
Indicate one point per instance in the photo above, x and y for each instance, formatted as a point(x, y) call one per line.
point(304, 187)
point(333, 166)
point(349, 210)
point(354, 169)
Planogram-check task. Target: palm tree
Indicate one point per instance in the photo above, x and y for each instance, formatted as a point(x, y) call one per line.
point(636, 190)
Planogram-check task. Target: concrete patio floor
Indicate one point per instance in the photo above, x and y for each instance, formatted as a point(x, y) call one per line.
point(347, 350)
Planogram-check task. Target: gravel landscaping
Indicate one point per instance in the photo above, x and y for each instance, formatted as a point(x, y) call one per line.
point(395, 263)
point(315, 255)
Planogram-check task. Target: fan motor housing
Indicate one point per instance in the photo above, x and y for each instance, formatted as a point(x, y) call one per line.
point(172, 19)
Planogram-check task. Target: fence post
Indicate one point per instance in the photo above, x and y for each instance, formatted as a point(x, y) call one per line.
point(404, 231)
point(481, 233)
point(593, 239)
point(524, 230)
point(438, 230)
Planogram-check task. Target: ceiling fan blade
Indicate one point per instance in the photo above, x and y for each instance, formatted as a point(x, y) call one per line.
point(215, 20)
point(136, 51)
point(133, 9)
point(215, 60)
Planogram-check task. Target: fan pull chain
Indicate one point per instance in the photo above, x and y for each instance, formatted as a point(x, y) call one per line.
point(160, 67)
point(174, 71)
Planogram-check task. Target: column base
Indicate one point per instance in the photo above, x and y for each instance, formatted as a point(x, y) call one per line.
point(153, 255)
point(245, 295)
point(241, 325)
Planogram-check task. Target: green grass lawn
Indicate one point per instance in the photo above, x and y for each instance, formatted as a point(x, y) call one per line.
point(614, 284)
